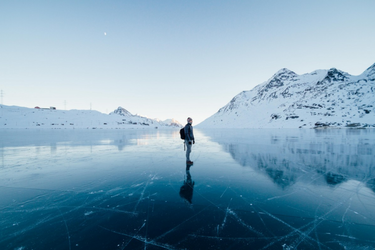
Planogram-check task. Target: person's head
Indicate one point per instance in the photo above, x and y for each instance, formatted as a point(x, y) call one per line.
point(189, 120)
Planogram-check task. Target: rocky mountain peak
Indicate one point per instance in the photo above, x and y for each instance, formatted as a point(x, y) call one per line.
point(284, 72)
point(334, 75)
point(122, 111)
point(278, 79)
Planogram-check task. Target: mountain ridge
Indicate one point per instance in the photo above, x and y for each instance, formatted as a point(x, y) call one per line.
point(322, 98)
point(22, 117)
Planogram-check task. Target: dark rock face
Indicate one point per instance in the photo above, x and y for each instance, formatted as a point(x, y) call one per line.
point(321, 124)
point(292, 117)
point(313, 106)
point(275, 83)
point(353, 125)
point(336, 75)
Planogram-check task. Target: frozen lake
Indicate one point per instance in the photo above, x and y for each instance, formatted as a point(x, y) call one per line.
point(131, 189)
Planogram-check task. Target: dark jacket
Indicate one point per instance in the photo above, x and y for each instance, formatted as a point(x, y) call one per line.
point(189, 136)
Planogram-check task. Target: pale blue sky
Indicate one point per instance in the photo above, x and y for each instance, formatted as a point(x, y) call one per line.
point(165, 59)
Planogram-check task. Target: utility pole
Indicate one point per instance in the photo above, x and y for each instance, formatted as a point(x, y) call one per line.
point(65, 104)
point(1, 106)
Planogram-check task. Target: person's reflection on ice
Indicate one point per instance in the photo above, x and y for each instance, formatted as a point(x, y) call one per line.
point(186, 190)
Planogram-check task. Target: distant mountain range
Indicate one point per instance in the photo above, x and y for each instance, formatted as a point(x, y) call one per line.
point(323, 98)
point(140, 119)
point(21, 117)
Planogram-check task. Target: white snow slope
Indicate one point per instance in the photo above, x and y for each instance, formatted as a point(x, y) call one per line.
point(323, 98)
point(20, 117)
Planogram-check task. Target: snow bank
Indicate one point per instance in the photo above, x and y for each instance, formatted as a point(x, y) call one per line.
point(21, 117)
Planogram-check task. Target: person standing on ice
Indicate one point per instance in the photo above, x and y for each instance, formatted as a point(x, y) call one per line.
point(189, 139)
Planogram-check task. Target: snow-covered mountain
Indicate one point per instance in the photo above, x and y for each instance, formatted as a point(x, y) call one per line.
point(319, 99)
point(172, 122)
point(21, 117)
point(144, 120)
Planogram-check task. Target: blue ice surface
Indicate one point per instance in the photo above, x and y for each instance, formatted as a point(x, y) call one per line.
point(131, 189)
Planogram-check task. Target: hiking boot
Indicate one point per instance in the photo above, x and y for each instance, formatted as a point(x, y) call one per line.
point(189, 162)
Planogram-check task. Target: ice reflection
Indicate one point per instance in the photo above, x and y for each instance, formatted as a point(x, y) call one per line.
point(259, 189)
point(338, 155)
point(186, 190)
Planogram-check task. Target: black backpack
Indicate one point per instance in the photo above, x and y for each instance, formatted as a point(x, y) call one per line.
point(182, 133)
